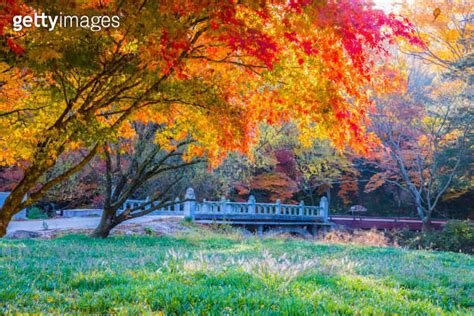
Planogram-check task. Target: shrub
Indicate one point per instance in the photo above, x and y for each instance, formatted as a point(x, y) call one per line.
point(148, 231)
point(371, 237)
point(456, 236)
point(36, 213)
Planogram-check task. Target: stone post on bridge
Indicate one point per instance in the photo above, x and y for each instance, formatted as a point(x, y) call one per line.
point(177, 205)
point(252, 207)
point(278, 207)
point(189, 204)
point(301, 208)
point(224, 207)
point(323, 204)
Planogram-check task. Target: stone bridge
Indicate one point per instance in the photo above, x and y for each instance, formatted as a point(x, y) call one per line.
point(263, 218)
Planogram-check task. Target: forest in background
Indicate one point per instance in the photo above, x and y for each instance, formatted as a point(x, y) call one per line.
point(290, 101)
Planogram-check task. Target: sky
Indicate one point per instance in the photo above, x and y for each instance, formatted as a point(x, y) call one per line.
point(385, 5)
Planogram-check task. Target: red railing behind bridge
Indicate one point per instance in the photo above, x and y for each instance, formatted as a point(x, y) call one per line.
point(366, 222)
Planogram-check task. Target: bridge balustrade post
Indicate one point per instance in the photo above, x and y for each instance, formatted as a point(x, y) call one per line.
point(205, 206)
point(324, 208)
point(190, 204)
point(278, 206)
point(147, 200)
point(176, 205)
point(228, 206)
point(252, 205)
point(301, 208)
point(223, 205)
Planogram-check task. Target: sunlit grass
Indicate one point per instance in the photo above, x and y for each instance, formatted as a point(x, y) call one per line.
point(204, 272)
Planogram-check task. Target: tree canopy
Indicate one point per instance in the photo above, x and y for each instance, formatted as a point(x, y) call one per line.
point(206, 70)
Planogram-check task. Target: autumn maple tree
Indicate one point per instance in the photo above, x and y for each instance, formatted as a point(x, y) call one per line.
point(446, 28)
point(426, 132)
point(207, 70)
point(424, 147)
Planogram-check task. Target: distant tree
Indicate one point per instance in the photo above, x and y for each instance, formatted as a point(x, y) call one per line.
point(321, 167)
point(9, 177)
point(81, 189)
point(424, 146)
point(283, 166)
point(427, 133)
point(132, 165)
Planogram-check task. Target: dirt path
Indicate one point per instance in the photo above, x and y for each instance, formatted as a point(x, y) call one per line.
point(72, 223)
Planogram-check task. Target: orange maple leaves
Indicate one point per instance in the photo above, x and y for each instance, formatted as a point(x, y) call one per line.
point(237, 64)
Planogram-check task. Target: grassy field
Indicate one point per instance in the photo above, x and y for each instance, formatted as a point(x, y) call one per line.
point(201, 272)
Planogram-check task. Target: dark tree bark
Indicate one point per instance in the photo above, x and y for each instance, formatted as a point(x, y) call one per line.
point(18, 200)
point(426, 226)
point(107, 223)
point(147, 162)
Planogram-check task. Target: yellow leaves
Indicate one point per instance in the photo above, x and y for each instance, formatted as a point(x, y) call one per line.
point(448, 88)
point(74, 145)
point(436, 13)
point(126, 130)
point(452, 195)
point(28, 111)
point(450, 137)
point(307, 134)
point(12, 80)
point(43, 55)
point(166, 138)
point(444, 26)
point(423, 141)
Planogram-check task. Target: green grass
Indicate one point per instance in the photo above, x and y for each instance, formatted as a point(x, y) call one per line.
point(206, 273)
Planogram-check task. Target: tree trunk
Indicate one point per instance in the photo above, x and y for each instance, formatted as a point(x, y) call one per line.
point(107, 222)
point(9, 208)
point(425, 215)
point(4, 220)
point(16, 200)
point(426, 223)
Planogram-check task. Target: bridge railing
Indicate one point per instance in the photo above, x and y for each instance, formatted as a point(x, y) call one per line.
point(190, 208)
point(175, 208)
point(253, 208)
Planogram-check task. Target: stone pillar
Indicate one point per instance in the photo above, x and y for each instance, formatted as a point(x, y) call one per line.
point(323, 204)
point(278, 207)
point(189, 204)
point(224, 205)
point(301, 208)
point(252, 205)
point(176, 205)
point(205, 206)
point(147, 200)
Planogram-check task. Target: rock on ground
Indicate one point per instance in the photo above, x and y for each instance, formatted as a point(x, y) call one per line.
point(23, 234)
point(157, 227)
